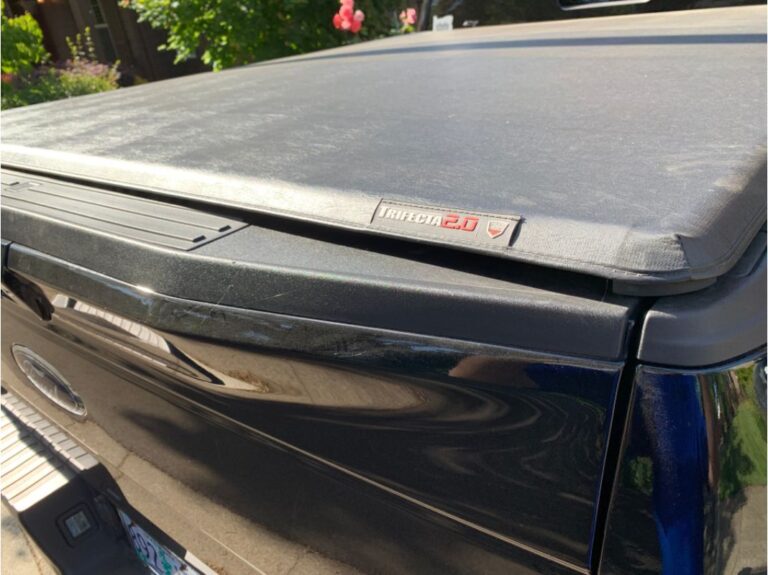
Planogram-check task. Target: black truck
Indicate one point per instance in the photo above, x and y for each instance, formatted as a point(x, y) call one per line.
point(489, 300)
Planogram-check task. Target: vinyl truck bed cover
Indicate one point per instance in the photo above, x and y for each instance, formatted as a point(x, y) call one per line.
point(649, 168)
point(481, 301)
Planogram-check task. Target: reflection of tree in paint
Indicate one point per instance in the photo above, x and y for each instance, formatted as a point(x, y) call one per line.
point(639, 474)
point(744, 452)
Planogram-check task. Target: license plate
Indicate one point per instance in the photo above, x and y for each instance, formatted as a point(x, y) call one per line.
point(159, 559)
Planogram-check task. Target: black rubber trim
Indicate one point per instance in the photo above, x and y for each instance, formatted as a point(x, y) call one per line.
point(122, 215)
point(714, 325)
point(5, 249)
point(616, 435)
point(377, 283)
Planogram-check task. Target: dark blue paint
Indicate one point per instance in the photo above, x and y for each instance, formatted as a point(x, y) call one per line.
point(681, 498)
point(677, 434)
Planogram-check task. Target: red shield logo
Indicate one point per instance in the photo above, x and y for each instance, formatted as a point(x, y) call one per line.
point(495, 228)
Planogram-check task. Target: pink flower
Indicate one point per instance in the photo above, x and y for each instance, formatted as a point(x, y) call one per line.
point(347, 18)
point(408, 17)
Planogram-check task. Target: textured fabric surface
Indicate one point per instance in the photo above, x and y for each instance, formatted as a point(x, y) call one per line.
point(632, 147)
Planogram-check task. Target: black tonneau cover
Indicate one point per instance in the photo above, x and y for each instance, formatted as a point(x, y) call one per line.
point(631, 148)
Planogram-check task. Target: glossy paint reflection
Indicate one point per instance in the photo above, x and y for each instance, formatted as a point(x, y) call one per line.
point(691, 490)
point(505, 443)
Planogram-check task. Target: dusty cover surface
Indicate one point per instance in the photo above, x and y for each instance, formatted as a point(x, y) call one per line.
point(631, 148)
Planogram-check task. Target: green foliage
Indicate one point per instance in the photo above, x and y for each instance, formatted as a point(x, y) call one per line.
point(22, 43)
point(41, 87)
point(79, 76)
point(53, 84)
point(228, 33)
point(744, 461)
point(76, 82)
point(81, 47)
point(639, 474)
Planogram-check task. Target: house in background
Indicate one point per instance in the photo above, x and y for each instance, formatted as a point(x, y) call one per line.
point(116, 33)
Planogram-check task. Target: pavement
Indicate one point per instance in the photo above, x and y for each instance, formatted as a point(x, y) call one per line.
point(20, 556)
point(747, 529)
